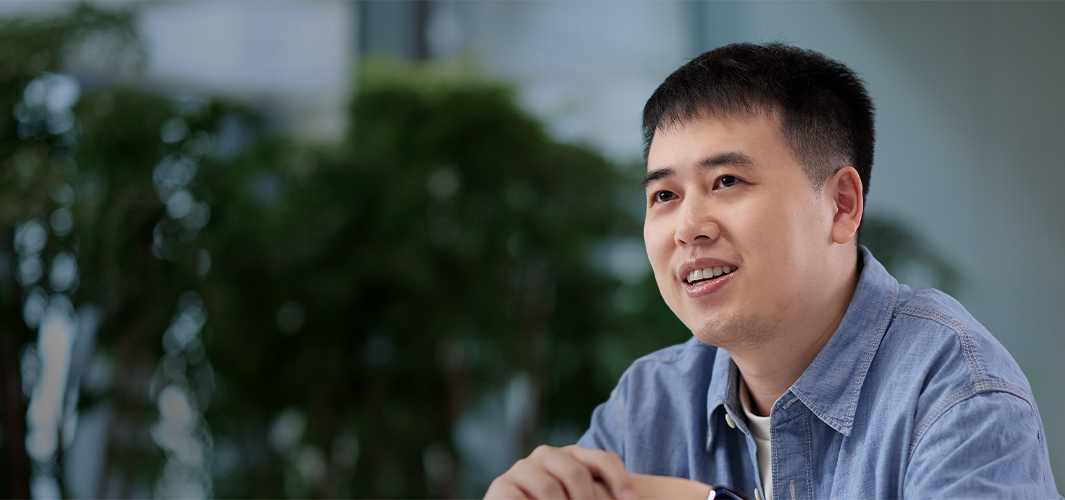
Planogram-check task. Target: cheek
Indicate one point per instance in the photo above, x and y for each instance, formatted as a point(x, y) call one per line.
point(792, 239)
point(657, 239)
point(771, 240)
point(760, 229)
point(659, 244)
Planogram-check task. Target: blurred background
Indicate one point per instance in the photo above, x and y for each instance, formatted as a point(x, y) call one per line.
point(382, 249)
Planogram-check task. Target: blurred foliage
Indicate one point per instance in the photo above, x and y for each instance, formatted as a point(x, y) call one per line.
point(370, 293)
point(383, 287)
point(362, 300)
point(37, 145)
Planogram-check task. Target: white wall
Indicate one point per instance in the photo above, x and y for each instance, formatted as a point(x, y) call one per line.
point(293, 60)
point(586, 68)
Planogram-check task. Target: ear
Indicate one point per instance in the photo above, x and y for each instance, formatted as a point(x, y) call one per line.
point(844, 190)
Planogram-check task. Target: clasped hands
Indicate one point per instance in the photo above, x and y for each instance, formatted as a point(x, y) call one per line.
point(575, 472)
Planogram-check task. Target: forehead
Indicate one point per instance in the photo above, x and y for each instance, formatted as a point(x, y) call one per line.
point(755, 136)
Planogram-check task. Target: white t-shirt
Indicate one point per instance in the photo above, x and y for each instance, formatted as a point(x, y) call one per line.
point(759, 427)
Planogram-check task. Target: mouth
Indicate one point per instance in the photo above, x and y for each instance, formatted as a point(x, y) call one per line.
point(708, 274)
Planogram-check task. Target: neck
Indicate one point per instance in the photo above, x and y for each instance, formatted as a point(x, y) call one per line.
point(770, 369)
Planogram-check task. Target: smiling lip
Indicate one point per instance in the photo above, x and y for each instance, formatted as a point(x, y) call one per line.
point(708, 286)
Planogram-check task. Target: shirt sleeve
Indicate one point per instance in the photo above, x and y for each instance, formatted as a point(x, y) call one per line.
point(607, 428)
point(989, 445)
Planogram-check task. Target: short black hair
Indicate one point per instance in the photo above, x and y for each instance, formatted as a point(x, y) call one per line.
point(825, 113)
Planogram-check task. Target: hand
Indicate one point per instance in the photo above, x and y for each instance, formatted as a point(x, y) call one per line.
point(663, 487)
point(569, 472)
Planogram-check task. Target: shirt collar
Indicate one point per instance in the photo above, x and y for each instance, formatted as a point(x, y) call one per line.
point(723, 392)
point(831, 384)
point(723, 382)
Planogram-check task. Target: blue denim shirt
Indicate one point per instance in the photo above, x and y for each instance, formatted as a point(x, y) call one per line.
point(911, 398)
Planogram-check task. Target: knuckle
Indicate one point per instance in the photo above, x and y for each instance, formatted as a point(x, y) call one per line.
point(519, 466)
point(574, 450)
point(543, 454)
point(541, 450)
point(544, 490)
point(576, 475)
point(612, 457)
point(501, 487)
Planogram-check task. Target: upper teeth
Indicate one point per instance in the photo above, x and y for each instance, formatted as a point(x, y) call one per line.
point(709, 272)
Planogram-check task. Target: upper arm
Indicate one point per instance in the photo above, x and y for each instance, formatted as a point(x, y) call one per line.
point(606, 430)
point(990, 445)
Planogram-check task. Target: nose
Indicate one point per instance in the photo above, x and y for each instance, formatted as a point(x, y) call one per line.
point(696, 224)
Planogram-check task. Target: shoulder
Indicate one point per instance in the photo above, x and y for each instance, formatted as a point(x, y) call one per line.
point(974, 409)
point(948, 403)
point(985, 446)
point(690, 364)
point(937, 352)
point(939, 332)
point(687, 356)
point(666, 386)
point(670, 383)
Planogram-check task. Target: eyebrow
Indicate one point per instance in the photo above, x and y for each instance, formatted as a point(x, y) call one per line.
point(734, 158)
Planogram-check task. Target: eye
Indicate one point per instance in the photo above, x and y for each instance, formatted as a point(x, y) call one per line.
point(663, 196)
point(726, 181)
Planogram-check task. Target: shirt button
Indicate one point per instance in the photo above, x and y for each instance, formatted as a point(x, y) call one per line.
point(728, 420)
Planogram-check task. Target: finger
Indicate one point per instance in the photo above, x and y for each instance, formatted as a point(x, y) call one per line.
point(607, 467)
point(504, 489)
point(574, 475)
point(668, 487)
point(601, 491)
point(534, 480)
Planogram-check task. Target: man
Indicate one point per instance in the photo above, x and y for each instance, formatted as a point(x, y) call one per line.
point(813, 373)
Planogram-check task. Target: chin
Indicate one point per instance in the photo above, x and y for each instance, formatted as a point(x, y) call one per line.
point(734, 332)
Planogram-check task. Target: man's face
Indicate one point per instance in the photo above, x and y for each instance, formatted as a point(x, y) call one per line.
point(726, 195)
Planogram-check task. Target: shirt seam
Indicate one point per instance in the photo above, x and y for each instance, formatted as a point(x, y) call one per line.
point(981, 382)
point(976, 369)
point(957, 397)
point(672, 358)
point(809, 460)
